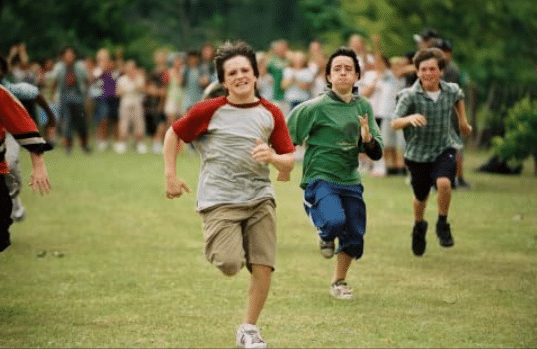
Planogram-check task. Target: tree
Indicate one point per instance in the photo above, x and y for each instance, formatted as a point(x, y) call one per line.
point(520, 139)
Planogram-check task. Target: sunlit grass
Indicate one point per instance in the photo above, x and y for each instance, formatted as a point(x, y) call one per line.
point(133, 273)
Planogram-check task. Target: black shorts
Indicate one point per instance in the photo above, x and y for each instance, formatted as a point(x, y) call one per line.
point(113, 108)
point(424, 174)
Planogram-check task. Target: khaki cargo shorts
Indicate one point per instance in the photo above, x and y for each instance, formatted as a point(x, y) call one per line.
point(238, 235)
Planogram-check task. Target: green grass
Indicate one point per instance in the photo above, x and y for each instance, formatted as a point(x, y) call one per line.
point(134, 275)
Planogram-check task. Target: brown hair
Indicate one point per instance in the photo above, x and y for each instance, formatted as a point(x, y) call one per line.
point(428, 53)
point(230, 50)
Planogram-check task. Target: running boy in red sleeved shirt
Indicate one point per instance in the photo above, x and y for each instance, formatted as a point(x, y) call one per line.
point(237, 137)
point(15, 119)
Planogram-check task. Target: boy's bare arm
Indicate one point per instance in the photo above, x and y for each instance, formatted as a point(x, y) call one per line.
point(284, 163)
point(415, 120)
point(464, 126)
point(174, 186)
point(39, 178)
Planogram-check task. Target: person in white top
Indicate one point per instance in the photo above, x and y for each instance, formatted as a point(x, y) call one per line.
point(130, 87)
point(297, 80)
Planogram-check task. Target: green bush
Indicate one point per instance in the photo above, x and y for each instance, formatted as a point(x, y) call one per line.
point(520, 139)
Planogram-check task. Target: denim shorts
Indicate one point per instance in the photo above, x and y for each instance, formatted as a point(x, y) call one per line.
point(337, 211)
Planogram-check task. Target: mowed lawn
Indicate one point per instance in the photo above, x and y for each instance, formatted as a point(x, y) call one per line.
point(107, 261)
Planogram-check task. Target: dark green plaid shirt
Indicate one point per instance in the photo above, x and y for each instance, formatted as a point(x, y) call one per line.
point(425, 144)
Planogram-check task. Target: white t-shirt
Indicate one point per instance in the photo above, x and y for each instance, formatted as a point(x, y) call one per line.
point(294, 93)
point(131, 89)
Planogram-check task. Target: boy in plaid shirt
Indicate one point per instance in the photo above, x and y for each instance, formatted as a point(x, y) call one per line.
point(424, 111)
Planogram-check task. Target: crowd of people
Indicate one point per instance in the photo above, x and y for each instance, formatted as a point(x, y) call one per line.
point(344, 111)
point(121, 100)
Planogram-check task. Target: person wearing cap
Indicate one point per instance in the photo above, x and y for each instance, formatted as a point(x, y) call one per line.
point(428, 38)
point(453, 74)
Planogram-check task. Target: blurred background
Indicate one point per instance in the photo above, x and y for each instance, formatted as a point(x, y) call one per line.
point(493, 41)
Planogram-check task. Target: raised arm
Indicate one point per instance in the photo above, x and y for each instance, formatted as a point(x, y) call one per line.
point(284, 163)
point(415, 120)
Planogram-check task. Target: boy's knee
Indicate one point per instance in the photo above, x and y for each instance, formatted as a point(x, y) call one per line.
point(443, 183)
point(333, 227)
point(229, 266)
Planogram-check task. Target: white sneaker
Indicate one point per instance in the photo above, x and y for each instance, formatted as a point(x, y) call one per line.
point(141, 148)
point(157, 147)
point(341, 290)
point(248, 336)
point(102, 145)
point(120, 147)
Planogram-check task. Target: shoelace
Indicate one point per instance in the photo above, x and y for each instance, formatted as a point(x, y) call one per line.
point(256, 337)
point(345, 290)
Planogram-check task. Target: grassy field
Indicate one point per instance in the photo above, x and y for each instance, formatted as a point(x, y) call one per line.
point(107, 261)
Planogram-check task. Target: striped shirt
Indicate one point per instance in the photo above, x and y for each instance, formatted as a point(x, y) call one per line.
point(426, 143)
point(15, 119)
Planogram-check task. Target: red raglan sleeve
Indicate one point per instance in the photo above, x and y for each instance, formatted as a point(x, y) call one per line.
point(280, 139)
point(16, 120)
point(197, 119)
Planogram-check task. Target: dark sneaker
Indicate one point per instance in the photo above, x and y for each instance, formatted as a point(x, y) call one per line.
point(327, 248)
point(463, 184)
point(443, 230)
point(4, 242)
point(418, 238)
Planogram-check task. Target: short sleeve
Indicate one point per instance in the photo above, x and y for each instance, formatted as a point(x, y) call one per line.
point(197, 119)
point(403, 105)
point(280, 140)
point(300, 122)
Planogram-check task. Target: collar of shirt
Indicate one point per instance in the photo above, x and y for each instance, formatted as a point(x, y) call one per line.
point(333, 95)
point(418, 88)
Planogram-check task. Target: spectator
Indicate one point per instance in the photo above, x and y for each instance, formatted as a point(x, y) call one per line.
point(208, 72)
point(173, 107)
point(103, 91)
point(365, 58)
point(297, 80)
point(70, 78)
point(265, 82)
point(193, 80)
point(276, 66)
point(160, 76)
point(380, 87)
point(130, 89)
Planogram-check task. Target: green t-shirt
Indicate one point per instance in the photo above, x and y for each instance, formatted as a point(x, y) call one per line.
point(275, 69)
point(330, 130)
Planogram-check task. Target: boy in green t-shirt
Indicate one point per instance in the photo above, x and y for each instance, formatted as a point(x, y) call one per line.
point(335, 127)
point(424, 112)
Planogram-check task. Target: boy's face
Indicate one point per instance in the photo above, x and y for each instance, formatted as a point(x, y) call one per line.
point(343, 75)
point(239, 78)
point(429, 74)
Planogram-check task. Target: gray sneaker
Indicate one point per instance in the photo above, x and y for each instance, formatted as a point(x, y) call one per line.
point(248, 336)
point(341, 290)
point(327, 248)
point(18, 212)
